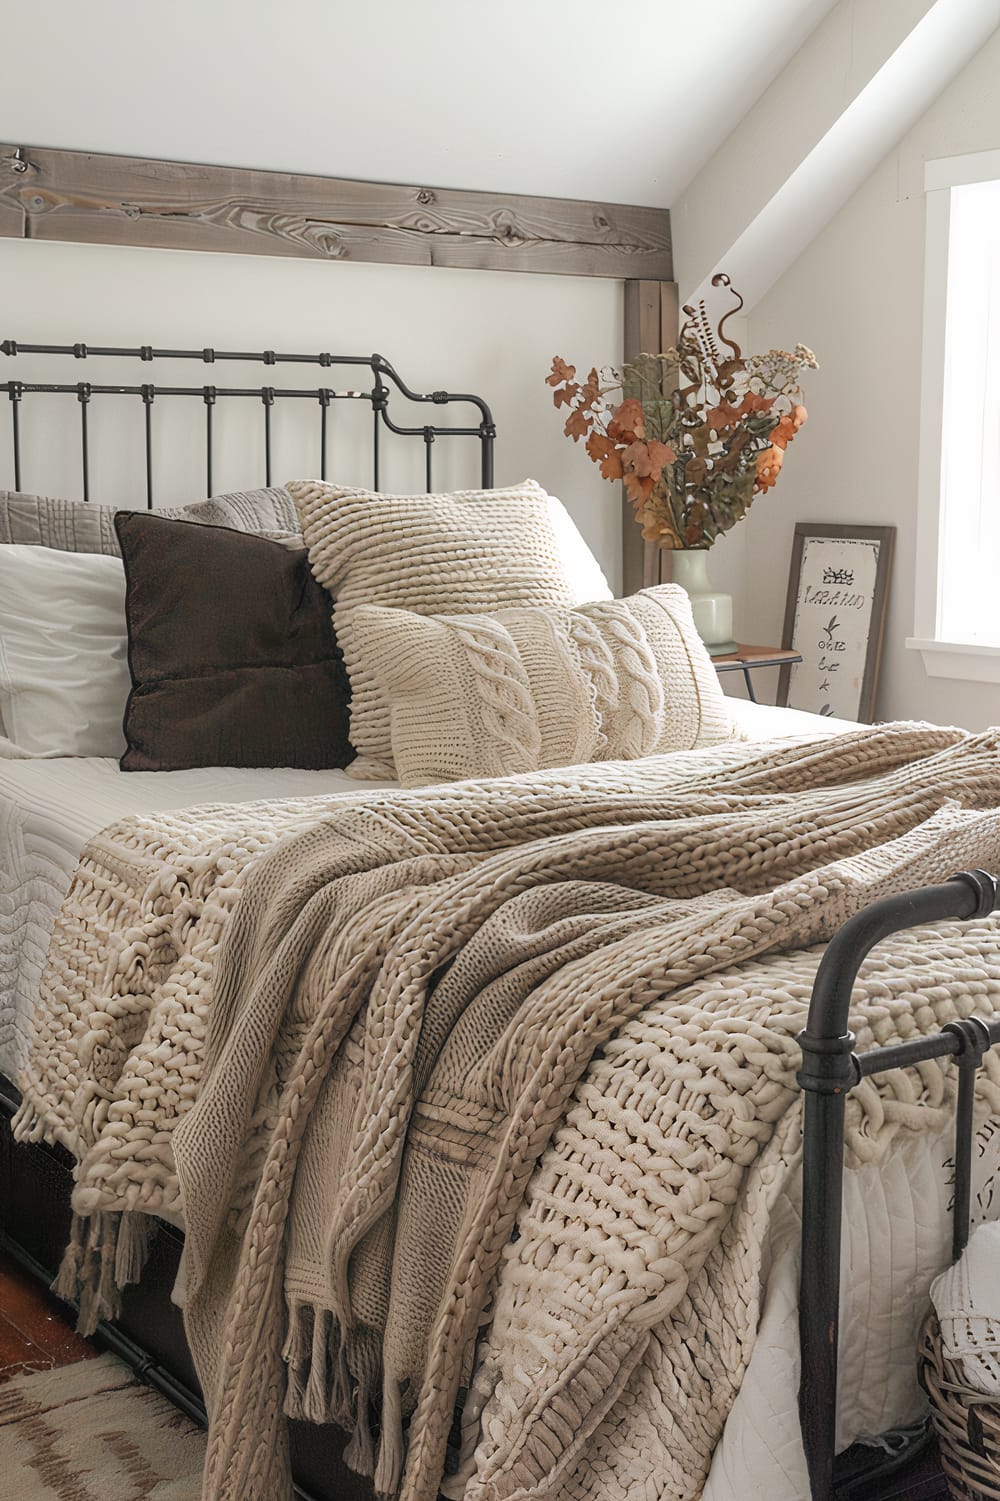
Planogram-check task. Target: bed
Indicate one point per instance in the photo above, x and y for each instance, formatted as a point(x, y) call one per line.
point(689, 1308)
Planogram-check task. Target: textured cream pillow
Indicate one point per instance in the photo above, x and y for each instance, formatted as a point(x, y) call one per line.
point(523, 689)
point(473, 550)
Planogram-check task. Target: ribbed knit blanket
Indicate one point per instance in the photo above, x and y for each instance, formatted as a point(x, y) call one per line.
point(407, 994)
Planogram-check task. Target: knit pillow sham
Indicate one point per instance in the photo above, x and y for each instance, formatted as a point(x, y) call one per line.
point(472, 551)
point(85, 527)
point(524, 689)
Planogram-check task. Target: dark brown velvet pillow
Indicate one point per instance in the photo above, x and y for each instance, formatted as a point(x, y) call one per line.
point(232, 652)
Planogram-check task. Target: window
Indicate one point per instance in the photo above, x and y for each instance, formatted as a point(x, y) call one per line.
point(957, 626)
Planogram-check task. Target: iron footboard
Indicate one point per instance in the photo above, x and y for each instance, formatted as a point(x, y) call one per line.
point(830, 1070)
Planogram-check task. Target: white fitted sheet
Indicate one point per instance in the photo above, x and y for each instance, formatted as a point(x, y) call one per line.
point(50, 808)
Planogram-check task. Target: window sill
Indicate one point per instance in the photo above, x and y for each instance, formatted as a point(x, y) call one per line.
point(949, 659)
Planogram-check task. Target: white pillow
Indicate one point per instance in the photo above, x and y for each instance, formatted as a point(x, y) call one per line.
point(64, 675)
point(524, 689)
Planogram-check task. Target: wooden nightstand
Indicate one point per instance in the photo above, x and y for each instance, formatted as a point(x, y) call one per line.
point(746, 659)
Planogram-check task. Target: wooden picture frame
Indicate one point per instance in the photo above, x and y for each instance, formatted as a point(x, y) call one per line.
point(838, 588)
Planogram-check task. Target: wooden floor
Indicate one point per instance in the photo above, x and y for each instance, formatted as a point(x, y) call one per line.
point(35, 1335)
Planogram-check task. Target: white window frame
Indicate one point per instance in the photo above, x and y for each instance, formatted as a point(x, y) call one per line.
point(941, 658)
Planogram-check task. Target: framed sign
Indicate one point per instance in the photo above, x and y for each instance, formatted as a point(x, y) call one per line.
point(838, 585)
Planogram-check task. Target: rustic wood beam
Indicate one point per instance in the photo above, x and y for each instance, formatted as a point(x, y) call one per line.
point(47, 194)
point(651, 326)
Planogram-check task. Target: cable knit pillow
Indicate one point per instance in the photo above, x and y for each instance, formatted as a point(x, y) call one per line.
point(459, 554)
point(523, 689)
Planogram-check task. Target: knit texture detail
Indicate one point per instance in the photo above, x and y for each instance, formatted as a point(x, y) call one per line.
point(630, 1297)
point(85, 526)
point(468, 552)
point(489, 696)
point(390, 1010)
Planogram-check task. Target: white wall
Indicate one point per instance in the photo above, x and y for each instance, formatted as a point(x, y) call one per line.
point(489, 333)
point(297, 88)
point(855, 296)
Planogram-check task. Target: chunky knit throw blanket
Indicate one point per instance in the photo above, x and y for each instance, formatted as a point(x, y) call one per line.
point(408, 993)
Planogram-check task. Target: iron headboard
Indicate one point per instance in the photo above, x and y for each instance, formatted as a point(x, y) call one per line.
point(378, 396)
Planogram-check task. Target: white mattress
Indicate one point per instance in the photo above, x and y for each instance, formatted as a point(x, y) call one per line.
point(765, 722)
point(49, 809)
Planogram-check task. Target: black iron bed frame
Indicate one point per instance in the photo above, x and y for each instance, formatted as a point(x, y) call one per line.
point(378, 396)
point(830, 1067)
point(830, 1070)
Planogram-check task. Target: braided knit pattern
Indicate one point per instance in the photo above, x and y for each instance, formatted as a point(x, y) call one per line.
point(598, 666)
point(457, 554)
point(392, 1009)
point(637, 725)
point(504, 692)
point(529, 688)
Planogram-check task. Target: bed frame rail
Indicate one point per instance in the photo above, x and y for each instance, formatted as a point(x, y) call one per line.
point(383, 378)
point(830, 1070)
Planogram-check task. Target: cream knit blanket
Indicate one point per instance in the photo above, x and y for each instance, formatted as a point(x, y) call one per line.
point(408, 993)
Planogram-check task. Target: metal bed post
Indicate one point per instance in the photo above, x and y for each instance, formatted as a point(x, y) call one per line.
point(324, 412)
point(830, 1069)
point(208, 396)
point(15, 391)
point(148, 394)
point(83, 397)
point(267, 398)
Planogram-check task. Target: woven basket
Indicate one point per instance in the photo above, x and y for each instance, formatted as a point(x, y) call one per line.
point(966, 1423)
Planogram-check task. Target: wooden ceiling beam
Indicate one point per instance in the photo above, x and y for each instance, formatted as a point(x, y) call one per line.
point(81, 196)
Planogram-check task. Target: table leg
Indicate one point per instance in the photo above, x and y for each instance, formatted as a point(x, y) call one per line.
point(746, 679)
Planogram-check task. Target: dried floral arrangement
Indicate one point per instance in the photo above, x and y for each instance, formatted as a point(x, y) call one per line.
point(697, 432)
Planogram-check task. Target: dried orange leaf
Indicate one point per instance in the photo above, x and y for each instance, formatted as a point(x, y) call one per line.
point(630, 417)
point(660, 455)
point(560, 372)
point(577, 425)
point(603, 452)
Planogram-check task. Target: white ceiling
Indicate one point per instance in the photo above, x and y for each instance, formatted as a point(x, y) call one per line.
point(586, 99)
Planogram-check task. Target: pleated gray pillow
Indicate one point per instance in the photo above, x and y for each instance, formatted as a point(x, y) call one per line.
point(79, 526)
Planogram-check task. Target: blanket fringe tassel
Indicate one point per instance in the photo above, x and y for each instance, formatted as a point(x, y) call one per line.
point(335, 1376)
point(391, 1450)
point(105, 1253)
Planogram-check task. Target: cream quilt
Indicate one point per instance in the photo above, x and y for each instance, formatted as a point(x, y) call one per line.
point(337, 1044)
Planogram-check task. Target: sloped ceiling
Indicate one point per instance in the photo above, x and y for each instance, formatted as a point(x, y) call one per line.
point(863, 76)
point(585, 99)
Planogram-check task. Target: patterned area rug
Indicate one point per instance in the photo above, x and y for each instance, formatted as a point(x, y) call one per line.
point(92, 1432)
